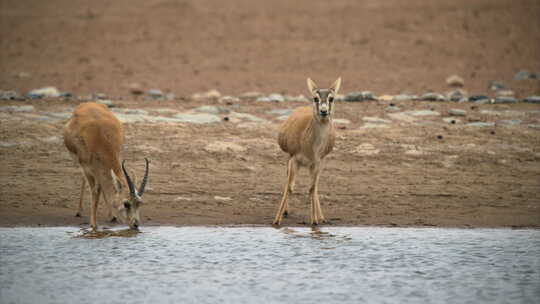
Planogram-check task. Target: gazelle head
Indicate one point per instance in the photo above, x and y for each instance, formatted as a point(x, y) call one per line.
point(128, 210)
point(323, 99)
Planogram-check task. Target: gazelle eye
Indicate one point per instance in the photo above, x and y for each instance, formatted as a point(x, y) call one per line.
point(331, 98)
point(126, 205)
point(316, 99)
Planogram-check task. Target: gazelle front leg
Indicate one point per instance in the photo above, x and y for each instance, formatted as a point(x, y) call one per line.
point(283, 205)
point(81, 198)
point(316, 212)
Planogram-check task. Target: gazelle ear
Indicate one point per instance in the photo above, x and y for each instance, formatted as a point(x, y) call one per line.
point(336, 85)
point(311, 86)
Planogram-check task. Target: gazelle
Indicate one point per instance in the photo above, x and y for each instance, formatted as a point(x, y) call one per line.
point(308, 135)
point(94, 138)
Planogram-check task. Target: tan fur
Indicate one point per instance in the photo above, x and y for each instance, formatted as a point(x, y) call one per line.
point(308, 138)
point(94, 136)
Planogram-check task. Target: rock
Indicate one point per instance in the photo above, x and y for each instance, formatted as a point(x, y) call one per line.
point(165, 111)
point(99, 96)
point(263, 99)
point(212, 94)
point(451, 120)
point(423, 113)
point(202, 118)
point(18, 109)
point(299, 98)
point(366, 149)
point(339, 97)
point(370, 125)
point(229, 99)
point(404, 97)
point(212, 110)
point(524, 74)
point(385, 98)
point(248, 117)
point(505, 99)
point(504, 93)
point(135, 88)
point(60, 115)
point(430, 96)
point(136, 111)
point(251, 95)
point(456, 94)
point(360, 96)
point(170, 96)
point(392, 109)
point(402, 116)
point(477, 97)
point(155, 93)
point(457, 112)
point(532, 99)
point(280, 111)
point(222, 198)
point(46, 92)
point(276, 97)
point(495, 85)
point(455, 81)
point(51, 139)
point(483, 101)
point(376, 120)
point(221, 146)
point(9, 95)
point(23, 75)
point(341, 121)
point(510, 122)
point(415, 152)
point(106, 102)
point(480, 124)
point(66, 94)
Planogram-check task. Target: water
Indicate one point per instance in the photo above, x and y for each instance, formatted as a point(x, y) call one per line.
point(267, 265)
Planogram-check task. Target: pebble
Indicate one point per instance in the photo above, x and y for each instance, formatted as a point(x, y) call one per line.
point(385, 98)
point(402, 116)
point(532, 99)
point(155, 93)
point(510, 122)
point(19, 109)
point(483, 101)
point(524, 74)
point(342, 121)
point(505, 99)
point(201, 118)
point(10, 95)
point(280, 112)
point(366, 149)
point(481, 124)
point(456, 94)
point(504, 93)
point(106, 102)
point(229, 99)
point(495, 85)
point(404, 97)
point(457, 112)
point(392, 109)
point(370, 125)
point(451, 120)
point(376, 120)
point(248, 117)
point(263, 99)
point(23, 75)
point(276, 97)
point(430, 96)
point(46, 92)
point(423, 113)
point(222, 198)
point(299, 98)
point(251, 95)
point(477, 97)
point(212, 110)
point(360, 96)
point(455, 81)
point(212, 94)
point(135, 88)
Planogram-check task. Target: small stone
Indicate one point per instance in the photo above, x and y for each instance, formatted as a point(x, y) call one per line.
point(23, 75)
point(280, 112)
point(170, 96)
point(385, 98)
point(366, 149)
point(19, 109)
point(481, 124)
point(360, 96)
point(451, 120)
point(212, 94)
point(477, 97)
point(504, 93)
point(423, 113)
point(46, 92)
point(456, 94)
point(106, 102)
point(376, 120)
point(276, 97)
point(430, 96)
point(341, 121)
point(201, 118)
point(229, 100)
point(392, 109)
point(222, 198)
point(523, 74)
point(510, 122)
point(415, 152)
point(374, 126)
point(505, 99)
point(263, 99)
point(9, 95)
point(248, 117)
point(404, 97)
point(532, 99)
point(483, 101)
point(457, 112)
point(299, 98)
point(155, 93)
point(135, 88)
point(495, 85)
point(251, 95)
point(455, 81)
point(212, 110)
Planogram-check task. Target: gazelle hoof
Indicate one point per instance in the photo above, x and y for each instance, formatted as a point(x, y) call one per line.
point(286, 214)
point(114, 220)
point(78, 214)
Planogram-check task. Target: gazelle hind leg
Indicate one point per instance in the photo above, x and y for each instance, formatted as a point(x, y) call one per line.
point(283, 205)
point(290, 185)
point(81, 197)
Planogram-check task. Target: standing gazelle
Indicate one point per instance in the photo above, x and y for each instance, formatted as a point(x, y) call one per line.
point(94, 137)
point(308, 135)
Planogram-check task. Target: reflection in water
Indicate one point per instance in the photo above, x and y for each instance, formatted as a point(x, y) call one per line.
point(87, 233)
point(254, 264)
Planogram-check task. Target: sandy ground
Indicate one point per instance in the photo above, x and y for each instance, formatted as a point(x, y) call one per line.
point(423, 172)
